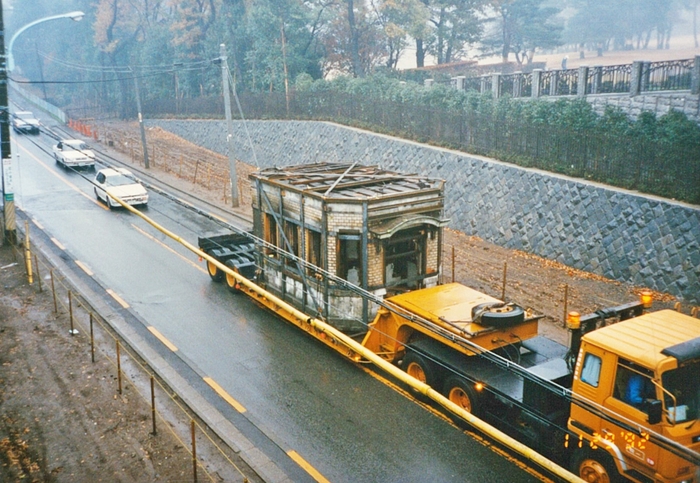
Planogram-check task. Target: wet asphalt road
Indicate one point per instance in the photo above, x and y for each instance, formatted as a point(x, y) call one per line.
point(344, 422)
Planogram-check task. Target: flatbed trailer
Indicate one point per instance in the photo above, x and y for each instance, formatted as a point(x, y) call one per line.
point(486, 356)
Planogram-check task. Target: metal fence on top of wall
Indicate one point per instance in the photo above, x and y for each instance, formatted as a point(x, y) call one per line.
point(633, 79)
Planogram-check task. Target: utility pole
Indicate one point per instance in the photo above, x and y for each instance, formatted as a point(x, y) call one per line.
point(229, 127)
point(9, 219)
point(143, 130)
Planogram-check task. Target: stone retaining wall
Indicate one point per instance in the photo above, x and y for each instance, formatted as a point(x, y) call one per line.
point(625, 236)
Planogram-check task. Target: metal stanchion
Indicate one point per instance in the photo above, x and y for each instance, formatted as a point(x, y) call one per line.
point(53, 290)
point(119, 371)
point(194, 452)
point(92, 340)
point(38, 275)
point(153, 404)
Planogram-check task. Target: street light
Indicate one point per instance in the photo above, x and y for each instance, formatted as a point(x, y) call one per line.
point(76, 16)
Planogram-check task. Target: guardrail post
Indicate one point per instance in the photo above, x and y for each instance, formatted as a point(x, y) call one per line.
point(581, 88)
point(695, 77)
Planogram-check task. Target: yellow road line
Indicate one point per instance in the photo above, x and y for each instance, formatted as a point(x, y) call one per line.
point(116, 297)
point(84, 267)
point(58, 243)
point(151, 237)
point(226, 396)
point(57, 175)
point(162, 338)
point(307, 467)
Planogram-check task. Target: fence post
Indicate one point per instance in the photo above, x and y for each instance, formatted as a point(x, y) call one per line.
point(458, 82)
point(636, 78)
point(119, 370)
point(496, 85)
point(581, 88)
point(92, 340)
point(428, 82)
point(482, 84)
point(194, 452)
point(38, 275)
point(695, 77)
point(53, 290)
point(153, 405)
point(536, 83)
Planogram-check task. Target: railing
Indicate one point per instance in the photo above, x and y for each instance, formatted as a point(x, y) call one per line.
point(669, 75)
point(610, 79)
point(634, 79)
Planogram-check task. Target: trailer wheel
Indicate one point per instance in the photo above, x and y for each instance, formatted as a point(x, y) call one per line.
point(461, 392)
point(594, 467)
point(214, 272)
point(231, 281)
point(418, 367)
point(498, 314)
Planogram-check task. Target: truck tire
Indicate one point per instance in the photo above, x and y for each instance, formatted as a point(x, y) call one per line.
point(231, 281)
point(498, 314)
point(417, 366)
point(594, 466)
point(462, 393)
point(214, 272)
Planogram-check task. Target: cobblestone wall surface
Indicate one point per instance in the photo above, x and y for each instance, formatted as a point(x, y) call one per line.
point(643, 240)
point(659, 104)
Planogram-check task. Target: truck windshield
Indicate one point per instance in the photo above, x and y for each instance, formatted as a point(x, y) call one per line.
point(683, 384)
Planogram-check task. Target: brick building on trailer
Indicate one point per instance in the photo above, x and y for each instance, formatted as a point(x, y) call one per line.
point(379, 230)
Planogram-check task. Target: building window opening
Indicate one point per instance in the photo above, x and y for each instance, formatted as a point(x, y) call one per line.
point(404, 260)
point(313, 248)
point(270, 232)
point(350, 259)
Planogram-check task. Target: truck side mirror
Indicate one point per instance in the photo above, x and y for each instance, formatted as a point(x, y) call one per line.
point(654, 411)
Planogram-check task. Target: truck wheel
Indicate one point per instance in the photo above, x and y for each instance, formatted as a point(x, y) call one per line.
point(418, 367)
point(594, 467)
point(231, 281)
point(461, 392)
point(498, 315)
point(214, 272)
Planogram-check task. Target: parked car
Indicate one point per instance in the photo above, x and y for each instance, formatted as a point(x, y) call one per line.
point(73, 153)
point(24, 122)
point(111, 183)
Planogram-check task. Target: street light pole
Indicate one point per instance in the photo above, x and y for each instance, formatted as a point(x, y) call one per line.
point(7, 64)
point(76, 16)
point(9, 228)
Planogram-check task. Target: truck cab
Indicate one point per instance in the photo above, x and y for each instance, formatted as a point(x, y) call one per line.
point(644, 371)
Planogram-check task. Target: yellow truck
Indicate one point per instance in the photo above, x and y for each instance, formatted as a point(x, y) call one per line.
point(569, 403)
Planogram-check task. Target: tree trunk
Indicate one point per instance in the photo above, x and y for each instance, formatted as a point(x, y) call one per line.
point(357, 70)
point(420, 53)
